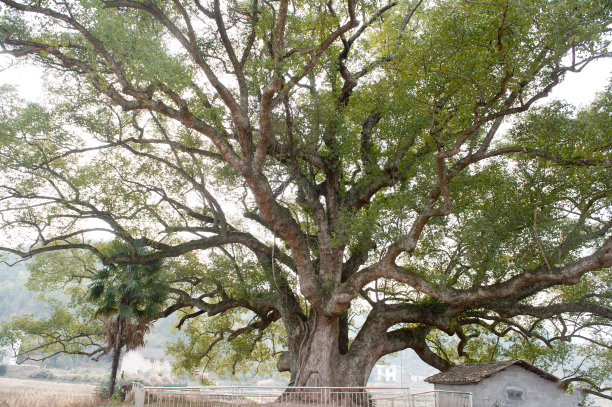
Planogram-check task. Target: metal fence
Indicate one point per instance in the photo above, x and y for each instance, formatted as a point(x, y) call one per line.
point(244, 396)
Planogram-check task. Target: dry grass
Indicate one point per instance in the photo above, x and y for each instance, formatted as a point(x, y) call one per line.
point(39, 393)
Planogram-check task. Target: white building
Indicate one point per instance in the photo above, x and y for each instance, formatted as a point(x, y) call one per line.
point(146, 361)
point(507, 383)
point(386, 374)
point(8, 354)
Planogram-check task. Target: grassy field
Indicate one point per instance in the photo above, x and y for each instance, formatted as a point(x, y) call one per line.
point(42, 393)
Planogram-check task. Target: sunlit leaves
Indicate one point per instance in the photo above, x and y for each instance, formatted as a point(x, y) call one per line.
point(61, 332)
point(211, 347)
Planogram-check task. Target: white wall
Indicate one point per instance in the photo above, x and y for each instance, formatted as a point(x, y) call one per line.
point(537, 391)
point(134, 363)
point(385, 374)
point(8, 355)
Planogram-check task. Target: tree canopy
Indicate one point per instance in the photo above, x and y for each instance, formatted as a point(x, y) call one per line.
point(308, 164)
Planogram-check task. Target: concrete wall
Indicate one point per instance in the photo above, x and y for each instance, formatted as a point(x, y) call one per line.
point(536, 391)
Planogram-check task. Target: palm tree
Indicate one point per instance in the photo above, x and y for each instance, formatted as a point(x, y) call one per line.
point(122, 333)
point(130, 297)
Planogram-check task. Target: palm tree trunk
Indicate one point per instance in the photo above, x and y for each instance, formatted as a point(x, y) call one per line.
point(116, 357)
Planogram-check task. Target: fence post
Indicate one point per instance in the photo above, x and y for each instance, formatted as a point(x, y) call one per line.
point(139, 395)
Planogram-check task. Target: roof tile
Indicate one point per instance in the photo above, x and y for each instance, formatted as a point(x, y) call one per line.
point(475, 372)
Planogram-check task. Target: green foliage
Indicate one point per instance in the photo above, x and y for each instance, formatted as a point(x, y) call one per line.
point(210, 345)
point(61, 332)
point(131, 291)
point(101, 391)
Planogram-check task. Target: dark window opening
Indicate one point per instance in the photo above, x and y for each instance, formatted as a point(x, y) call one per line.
point(514, 394)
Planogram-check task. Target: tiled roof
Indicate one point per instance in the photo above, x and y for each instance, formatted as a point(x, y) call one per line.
point(475, 372)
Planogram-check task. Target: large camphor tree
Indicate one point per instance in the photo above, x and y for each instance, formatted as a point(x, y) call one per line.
point(333, 180)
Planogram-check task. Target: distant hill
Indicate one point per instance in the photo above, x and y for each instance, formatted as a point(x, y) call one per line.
point(15, 298)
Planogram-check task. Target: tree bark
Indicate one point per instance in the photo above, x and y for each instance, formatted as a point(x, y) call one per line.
point(116, 357)
point(319, 360)
point(114, 368)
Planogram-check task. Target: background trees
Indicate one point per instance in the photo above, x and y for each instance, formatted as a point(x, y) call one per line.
point(305, 162)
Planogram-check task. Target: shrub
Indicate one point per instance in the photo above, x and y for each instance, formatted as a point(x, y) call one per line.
point(43, 374)
point(101, 390)
point(3, 370)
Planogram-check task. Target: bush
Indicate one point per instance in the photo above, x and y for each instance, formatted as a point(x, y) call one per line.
point(43, 374)
point(3, 370)
point(101, 390)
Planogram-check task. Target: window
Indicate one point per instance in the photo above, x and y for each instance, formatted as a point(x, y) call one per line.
point(514, 393)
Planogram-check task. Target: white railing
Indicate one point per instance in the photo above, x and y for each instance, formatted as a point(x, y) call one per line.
point(439, 398)
point(243, 396)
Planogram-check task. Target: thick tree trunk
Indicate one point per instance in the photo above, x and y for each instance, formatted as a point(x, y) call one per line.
point(319, 361)
point(320, 358)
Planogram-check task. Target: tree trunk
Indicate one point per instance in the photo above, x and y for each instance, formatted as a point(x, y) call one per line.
point(116, 357)
point(319, 354)
point(321, 361)
point(114, 368)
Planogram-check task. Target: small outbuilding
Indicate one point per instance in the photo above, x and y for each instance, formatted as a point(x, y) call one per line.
point(503, 384)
